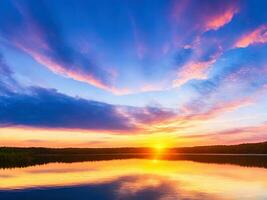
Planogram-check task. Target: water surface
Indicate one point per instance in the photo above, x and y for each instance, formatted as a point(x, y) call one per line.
point(134, 179)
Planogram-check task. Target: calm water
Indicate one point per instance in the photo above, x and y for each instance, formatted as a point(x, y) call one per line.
point(133, 179)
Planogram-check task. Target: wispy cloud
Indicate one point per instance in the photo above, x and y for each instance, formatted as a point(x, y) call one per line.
point(47, 108)
point(39, 35)
point(192, 71)
point(205, 15)
point(255, 133)
point(257, 36)
point(218, 21)
point(189, 118)
point(8, 84)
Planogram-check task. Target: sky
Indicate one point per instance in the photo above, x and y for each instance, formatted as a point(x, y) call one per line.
point(116, 73)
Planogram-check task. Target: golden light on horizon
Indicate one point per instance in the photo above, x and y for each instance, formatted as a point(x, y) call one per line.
point(160, 147)
point(159, 151)
point(51, 138)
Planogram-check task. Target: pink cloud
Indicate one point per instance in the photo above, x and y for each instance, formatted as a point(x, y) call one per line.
point(189, 114)
point(66, 71)
point(36, 40)
point(191, 71)
point(171, 122)
point(63, 70)
point(223, 108)
point(218, 21)
point(203, 16)
point(257, 36)
point(75, 74)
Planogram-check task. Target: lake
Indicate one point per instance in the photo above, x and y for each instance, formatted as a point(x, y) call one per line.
point(129, 179)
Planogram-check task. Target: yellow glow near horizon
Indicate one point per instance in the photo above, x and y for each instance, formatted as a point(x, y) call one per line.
point(59, 138)
point(23, 136)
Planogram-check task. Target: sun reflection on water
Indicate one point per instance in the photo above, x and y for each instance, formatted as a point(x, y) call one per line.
point(183, 177)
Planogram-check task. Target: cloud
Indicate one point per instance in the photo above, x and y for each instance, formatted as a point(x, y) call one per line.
point(221, 108)
point(234, 89)
point(198, 59)
point(50, 109)
point(257, 36)
point(236, 135)
point(40, 31)
point(190, 114)
point(151, 115)
point(204, 15)
point(218, 21)
point(195, 113)
point(5, 76)
point(47, 108)
point(7, 83)
point(34, 29)
point(191, 71)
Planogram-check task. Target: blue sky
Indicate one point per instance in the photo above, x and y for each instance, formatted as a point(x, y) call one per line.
point(163, 68)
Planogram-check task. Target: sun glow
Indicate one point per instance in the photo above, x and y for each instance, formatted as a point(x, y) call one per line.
point(159, 147)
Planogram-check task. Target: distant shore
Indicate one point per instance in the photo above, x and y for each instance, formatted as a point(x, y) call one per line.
point(247, 148)
point(253, 154)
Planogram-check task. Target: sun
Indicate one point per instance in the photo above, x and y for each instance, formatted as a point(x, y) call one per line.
point(159, 143)
point(159, 148)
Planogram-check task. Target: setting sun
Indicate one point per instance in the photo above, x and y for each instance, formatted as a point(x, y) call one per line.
point(159, 147)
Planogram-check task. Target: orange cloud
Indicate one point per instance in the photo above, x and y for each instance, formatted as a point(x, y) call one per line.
point(257, 36)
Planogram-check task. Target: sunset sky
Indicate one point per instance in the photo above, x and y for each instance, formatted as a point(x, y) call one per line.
point(113, 73)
